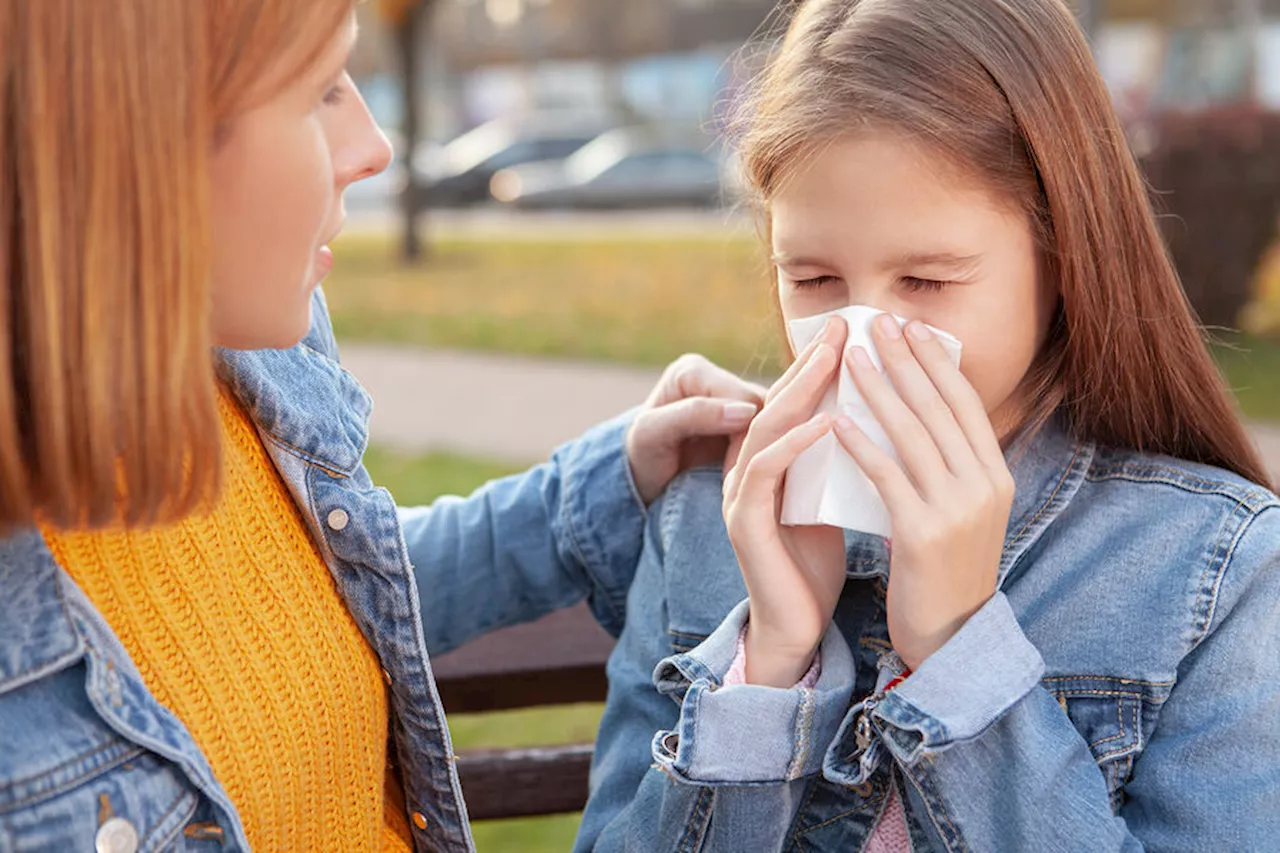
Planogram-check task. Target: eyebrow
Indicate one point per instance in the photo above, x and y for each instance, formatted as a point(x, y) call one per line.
point(949, 260)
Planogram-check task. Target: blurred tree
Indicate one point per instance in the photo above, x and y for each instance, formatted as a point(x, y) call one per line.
point(408, 20)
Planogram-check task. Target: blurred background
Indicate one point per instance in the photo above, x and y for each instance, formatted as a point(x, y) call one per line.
point(562, 220)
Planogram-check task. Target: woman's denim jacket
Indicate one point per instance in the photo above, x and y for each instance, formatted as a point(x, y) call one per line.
point(77, 722)
point(1121, 691)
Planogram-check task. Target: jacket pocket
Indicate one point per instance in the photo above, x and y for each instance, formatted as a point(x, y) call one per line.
point(1115, 717)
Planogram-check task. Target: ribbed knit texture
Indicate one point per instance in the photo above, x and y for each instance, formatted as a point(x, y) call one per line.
point(236, 626)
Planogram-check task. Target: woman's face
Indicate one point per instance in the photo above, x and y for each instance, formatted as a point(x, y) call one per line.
point(278, 179)
point(878, 220)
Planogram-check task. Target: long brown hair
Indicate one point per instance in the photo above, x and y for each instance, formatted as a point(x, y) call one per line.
point(110, 109)
point(1007, 89)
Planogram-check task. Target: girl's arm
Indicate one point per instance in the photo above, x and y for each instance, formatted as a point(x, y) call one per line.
point(1209, 779)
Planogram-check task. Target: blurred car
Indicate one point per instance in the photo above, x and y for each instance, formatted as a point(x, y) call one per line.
point(621, 168)
point(459, 174)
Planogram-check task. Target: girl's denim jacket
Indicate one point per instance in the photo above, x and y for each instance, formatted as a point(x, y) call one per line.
point(77, 722)
point(1121, 690)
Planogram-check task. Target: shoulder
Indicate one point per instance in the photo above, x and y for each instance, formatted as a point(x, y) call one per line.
point(1221, 528)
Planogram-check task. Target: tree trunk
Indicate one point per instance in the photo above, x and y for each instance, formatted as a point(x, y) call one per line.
point(410, 33)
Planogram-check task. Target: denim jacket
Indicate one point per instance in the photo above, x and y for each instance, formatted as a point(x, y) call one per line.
point(1121, 690)
point(77, 721)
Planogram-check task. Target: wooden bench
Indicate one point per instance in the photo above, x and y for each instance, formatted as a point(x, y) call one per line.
point(556, 661)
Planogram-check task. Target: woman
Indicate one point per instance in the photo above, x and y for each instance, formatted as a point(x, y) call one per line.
point(211, 632)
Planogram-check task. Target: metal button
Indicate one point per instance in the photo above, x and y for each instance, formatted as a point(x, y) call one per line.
point(338, 519)
point(116, 836)
point(420, 820)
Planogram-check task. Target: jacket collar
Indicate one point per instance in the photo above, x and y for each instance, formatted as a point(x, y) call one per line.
point(304, 401)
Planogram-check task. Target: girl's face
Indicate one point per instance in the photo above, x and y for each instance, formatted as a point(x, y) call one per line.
point(878, 220)
point(277, 189)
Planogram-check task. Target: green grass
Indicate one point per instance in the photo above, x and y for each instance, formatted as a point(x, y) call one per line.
point(419, 480)
point(638, 300)
point(642, 300)
point(1252, 368)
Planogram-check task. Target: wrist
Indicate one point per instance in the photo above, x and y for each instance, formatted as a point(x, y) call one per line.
point(776, 663)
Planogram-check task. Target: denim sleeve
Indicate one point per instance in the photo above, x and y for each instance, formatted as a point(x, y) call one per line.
point(974, 718)
point(743, 753)
point(524, 546)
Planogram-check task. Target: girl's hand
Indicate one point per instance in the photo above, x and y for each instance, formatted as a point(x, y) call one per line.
point(691, 417)
point(793, 574)
point(950, 506)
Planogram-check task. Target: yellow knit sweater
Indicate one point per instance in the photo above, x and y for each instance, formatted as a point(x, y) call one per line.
point(237, 627)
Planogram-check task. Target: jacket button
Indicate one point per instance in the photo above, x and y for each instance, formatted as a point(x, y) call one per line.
point(420, 820)
point(338, 519)
point(117, 835)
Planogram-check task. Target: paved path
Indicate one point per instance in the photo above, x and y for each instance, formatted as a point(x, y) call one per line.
point(515, 409)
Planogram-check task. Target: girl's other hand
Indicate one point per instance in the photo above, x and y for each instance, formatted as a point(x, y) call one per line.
point(793, 574)
point(694, 413)
point(949, 501)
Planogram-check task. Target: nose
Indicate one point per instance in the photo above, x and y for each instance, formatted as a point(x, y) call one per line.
point(370, 154)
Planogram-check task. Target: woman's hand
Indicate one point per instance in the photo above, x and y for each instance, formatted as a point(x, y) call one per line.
point(949, 501)
point(793, 574)
point(691, 417)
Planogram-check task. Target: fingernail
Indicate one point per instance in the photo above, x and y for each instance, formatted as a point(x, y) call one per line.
point(844, 423)
point(889, 327)
point(738, 414)
point(859, 357)
point(919, 330)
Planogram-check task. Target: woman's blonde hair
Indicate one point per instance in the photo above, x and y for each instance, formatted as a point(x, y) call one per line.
point(1007, 90)
point(110, 112)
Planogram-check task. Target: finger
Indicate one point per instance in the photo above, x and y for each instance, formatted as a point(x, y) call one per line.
point(761, 476)
point(961, 398)
point(917, 449)
point(795, 404)
point(917, 390)
point(696, 376)
point(692, 417)
point(833, 335)
point(897, 492)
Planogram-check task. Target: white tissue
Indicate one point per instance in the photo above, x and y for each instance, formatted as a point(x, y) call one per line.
point(824, 485)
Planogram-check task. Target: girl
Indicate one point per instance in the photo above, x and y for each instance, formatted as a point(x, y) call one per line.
point(211, 635)
point(1071, 644)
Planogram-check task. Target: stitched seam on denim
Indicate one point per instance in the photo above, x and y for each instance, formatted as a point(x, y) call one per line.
point(1226, 564)
point(576, 544)
point(798, 830)
point(1127, 748)
point(1218, 567)
point(876, 643)
point(694, 829)
point(311, 458)
point(173, 807)
point(697, 638)
point(49, 667)
point(804, 728)
point(77, 780)
point(1119, 724)
point(1186, 481)
point(930, 800)
point(878, 801)
point(1044, 507)
point(1111, 678)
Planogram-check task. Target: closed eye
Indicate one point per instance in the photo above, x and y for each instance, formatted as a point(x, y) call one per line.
point(816, 282)
point(924, 285)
